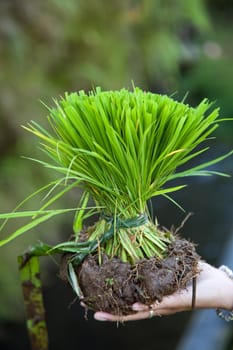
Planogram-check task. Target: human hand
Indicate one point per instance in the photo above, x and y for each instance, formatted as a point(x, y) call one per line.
point(214, 289)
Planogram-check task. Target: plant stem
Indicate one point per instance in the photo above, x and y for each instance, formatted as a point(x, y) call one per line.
point(132, 243)
point(33, 299)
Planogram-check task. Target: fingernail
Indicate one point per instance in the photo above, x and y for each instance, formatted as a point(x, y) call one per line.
point(100, 317)
point(138, 307)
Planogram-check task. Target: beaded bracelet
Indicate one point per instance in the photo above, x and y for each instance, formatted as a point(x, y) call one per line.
point(226, 315)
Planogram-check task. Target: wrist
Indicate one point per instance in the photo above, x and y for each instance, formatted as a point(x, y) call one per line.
point(227, 288)
point(227, 295)
point(227, 302)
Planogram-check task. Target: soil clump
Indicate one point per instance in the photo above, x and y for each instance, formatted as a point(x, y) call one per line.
point(114, 285)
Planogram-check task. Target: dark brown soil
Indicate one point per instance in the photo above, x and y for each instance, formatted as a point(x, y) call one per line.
point(114, 285)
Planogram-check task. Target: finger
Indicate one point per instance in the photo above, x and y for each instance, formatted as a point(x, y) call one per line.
point(140, 307)
point(166, 312)
point(167, 306)
point(102, 316)
point(177, 301)
point(159, 310)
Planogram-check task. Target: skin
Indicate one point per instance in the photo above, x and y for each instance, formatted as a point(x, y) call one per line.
point(214, 289)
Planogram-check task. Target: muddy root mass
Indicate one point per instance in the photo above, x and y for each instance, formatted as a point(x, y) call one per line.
point(114, 285)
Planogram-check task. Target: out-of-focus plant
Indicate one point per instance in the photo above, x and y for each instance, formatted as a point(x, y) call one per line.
point(82, 43)
point(213, 75)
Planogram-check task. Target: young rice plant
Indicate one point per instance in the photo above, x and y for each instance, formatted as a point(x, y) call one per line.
point(122, 148)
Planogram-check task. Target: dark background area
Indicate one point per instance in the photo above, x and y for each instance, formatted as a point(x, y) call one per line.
point(50, 47)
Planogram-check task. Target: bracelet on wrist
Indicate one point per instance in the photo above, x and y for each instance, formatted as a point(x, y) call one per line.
point(226, 315)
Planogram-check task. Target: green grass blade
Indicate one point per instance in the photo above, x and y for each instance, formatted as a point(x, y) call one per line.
point(26, 228)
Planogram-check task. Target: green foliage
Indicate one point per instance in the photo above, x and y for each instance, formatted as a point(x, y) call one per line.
point(125, 146)
point(122, 147)
point(215, 60)
point(88, 42)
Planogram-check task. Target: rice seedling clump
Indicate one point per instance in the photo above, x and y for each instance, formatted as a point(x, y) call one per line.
point(123, 148)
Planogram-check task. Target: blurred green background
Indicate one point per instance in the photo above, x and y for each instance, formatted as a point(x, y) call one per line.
point(49, 47)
